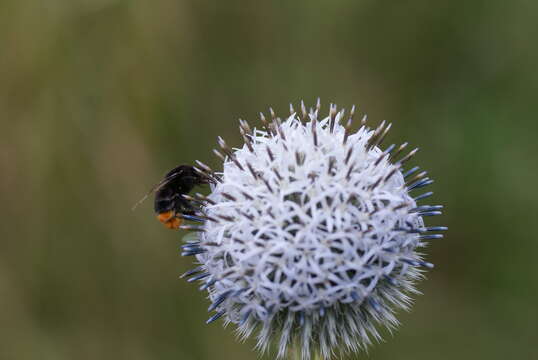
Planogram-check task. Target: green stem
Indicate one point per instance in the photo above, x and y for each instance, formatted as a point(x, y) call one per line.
point(295, 354)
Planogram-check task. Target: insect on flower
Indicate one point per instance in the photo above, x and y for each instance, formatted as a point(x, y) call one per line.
point(311, 233)
point(171, 204)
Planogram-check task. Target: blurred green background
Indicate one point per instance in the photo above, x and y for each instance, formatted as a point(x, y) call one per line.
point(99, 98)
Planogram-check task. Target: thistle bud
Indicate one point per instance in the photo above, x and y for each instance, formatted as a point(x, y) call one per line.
point(311, 233)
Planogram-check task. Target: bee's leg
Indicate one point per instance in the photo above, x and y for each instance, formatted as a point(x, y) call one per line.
point(185, 207)
point(190, 210)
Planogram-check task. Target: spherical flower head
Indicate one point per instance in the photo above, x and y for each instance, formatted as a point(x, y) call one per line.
point(311, 234)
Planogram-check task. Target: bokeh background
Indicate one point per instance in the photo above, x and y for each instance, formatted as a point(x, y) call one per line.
point(99, 98)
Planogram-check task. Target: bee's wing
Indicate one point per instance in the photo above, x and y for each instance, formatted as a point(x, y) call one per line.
point(156, 187)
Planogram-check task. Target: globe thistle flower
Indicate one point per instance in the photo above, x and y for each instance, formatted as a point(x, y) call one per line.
point(311, 233)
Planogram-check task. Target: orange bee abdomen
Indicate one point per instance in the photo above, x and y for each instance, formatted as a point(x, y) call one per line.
point(169, 219)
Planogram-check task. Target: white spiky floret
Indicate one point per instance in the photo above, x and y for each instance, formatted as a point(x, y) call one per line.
point(311, 234)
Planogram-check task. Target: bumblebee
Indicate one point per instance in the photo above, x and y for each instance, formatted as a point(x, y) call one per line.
point(169, 203)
